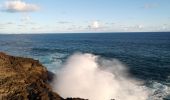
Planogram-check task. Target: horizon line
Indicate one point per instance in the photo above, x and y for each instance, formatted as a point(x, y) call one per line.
point(84, 32)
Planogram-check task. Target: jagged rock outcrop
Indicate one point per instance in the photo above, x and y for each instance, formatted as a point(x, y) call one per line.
point(25, 79)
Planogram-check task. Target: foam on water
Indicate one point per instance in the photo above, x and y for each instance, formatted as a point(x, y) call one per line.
point(52, 61)
point(92, 77)
point(88, 76)
point(159, 91)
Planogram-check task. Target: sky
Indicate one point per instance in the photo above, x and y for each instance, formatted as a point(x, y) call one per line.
point(69, 16)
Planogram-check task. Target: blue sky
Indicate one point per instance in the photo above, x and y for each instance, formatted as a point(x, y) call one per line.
point(60, 16)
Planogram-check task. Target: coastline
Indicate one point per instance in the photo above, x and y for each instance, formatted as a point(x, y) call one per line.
point(25, 78)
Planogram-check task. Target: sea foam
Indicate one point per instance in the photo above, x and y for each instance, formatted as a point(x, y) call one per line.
point(95, 78)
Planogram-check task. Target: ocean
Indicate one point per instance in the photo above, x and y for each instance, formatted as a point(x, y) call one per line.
point(145, 54)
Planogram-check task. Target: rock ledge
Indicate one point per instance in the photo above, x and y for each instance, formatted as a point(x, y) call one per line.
point(25, 79)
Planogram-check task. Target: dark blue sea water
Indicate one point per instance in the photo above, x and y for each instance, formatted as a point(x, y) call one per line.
point(147, 55)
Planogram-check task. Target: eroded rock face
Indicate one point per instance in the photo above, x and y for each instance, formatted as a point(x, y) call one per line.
point(24, 79)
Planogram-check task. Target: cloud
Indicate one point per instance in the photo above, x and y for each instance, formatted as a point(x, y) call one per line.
point(150, 5)
point(109, 23)
point(63, 22)
point(165, 27)
point(19, 6)
point(7, 24)
point(21, 25)
point(25, 18)
point(94, 25)
point(10, 23)
point(2, 28)
point(37, 28)
point(138, 27)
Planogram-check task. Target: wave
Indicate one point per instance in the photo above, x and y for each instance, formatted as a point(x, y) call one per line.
point(159, 91)
point(94, 78)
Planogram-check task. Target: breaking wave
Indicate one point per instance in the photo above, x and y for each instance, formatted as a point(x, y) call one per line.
point(95, 78)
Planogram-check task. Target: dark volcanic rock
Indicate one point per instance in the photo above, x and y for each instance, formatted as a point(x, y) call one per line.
point(24, 79)
point(75, 99)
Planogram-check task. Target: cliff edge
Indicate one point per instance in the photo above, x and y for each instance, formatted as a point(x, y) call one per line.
point(25, 79)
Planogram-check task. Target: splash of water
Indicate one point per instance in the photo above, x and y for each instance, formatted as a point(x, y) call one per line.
point(94, 78)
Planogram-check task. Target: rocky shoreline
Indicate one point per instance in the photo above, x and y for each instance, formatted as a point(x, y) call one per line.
point(25, 79)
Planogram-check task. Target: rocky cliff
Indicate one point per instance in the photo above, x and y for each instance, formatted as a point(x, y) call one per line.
point(25, 79)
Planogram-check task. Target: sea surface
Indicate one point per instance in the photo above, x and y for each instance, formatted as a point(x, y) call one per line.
point(146, 54)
